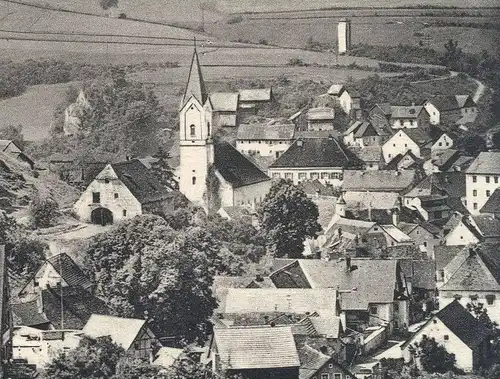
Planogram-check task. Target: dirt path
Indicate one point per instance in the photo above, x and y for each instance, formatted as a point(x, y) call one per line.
point(479, 91)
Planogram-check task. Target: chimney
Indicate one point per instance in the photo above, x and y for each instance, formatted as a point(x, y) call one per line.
point(395, 217)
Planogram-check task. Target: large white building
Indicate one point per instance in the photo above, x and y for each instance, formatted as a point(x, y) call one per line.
point(481, 180)
point(212, 174)
point(264, 140)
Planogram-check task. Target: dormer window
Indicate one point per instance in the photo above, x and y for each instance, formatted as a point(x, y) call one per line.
point(192, 130)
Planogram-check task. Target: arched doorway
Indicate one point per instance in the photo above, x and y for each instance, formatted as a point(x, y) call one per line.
point(101, 216)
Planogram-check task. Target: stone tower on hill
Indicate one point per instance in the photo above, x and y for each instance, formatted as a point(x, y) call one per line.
point(344, 36)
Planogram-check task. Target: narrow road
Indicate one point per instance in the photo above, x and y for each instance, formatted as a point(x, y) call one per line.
point(479, 91)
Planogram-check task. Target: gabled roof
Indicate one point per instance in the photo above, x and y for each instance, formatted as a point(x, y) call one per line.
point(353, 93)
point(262, 347)
point(452, 183)
point(373, 200)
point(321, 113)
point(451, 102)
point(384, 107)
point(235, 168)
point(4, 144)
point(195, 86)
point(301, 300)
point(487, 162)
point(492, 205)
point(335, 89)
point(363, 129)
point(26, 314)
point(488, 225)
point(69, 271)
point(404, 161)
point(381, 180)
point(406, 112)
point(224, 101)
point(123, 331)
point(255, 94)
point(256, 132)
point(311, 360)
point(444, 254)
point(469, 272)
point(461, 323)
point(396, 234)
point(316, 152)
point(368, 153)
point(417, 135)
point(140, 181)
point(421, 273)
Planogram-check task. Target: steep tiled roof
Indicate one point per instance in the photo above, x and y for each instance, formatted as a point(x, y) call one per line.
point(26, 314)
point(492, 205)
point(469, 272)
point(321, 113)
point(382, 181)
point(397, 234)
point(424, 275)
point(451, 183)
point(369, 153)
point(373, 200)
point(69, 271)
point(486, 163)
point(451, 102)
point(401, 111)
point(78, 306)
point(222, 284)
point(352, 92)
point(224, 101)
point(405, 161)
point(327, 325)
point(256, 348)
point(123, 331)
point(140, 181)
point(256, 94)
point(488, 225)
point(444, 254)
point(417, 135)
point(235, 168)
point(311, 360)
point(245, 300)
point(265, 132)
point(363, 129)
point(335, 89)
point(461, 323)
point(195, 85)
point(316, 152)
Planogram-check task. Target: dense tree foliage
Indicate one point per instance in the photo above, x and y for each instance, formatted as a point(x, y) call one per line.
point(24, 252)
point(471, 144)
point(43, 212)
point(287, 217)
point(432, 356)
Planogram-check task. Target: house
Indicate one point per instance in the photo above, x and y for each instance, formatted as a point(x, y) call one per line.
point(11, 149)
point(318, 364)
point(58, 308)
point(366, 299)
point(460, 230)
point(58, 270)
point(371, 156)
point(383, 181)
point(335, 91)
point(448, 160)
point(409, 117)
point(251, 99)
point(264, 140)
point(233, 179)
point(459, 332)
point(482, 180)
point(242, 351)
point(473, 276)
point(492, 205)
point(414, 140)
point(451, 109)
point(167, 357)
point(320, 118)
point(444, 254)
point(380, 115)
point(131, 334)
point(323, 159)
point(364, 133)
point(406, 161)
point(425, 235)
point(443, 141)
point(39, 347)
point(120, 191)
point(420, 277)
point(224, 109)
point(429, 201)
point(5, 313)
point(350, 101)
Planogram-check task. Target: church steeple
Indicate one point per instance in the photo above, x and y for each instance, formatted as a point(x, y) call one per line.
point(195, 85)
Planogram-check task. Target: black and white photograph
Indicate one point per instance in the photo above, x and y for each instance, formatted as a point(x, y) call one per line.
point(249, 189)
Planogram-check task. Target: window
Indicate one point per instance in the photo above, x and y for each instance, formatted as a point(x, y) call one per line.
point(302, 175)
point(325, 376)
point(406, 145)
point(425, 243)
point(124, 213)
point(208, 128)
point(446, 337)
point(96, 197)
point(487, 179)
point(337, 376)
point(473, 297)
point(116, 196)
point(474, 192)
point(490, 299)
point(192, 130)
point(474, 179)
point(389, 155)
point(193, 180)
point(330, 365)
point(393, 145)
point(106, 181)
point(434, 321)
point(496, 179)
point(474, 205)
point(411, 122)
point(440, 144)
point(396, 307)
point(488, 193)
point(276, 175)
point(373, 310)
point(289, 175)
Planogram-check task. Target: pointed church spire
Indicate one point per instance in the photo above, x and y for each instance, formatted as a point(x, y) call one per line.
point(195, 85)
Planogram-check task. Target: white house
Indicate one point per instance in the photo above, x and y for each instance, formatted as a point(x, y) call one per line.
point(132, 334)
point(202, 161)
point(364, 133)
point(451, 109)
point(482, 179)
point(322, 159)
point(224, 109)
point(350, 100)
point(461, 230)
point(11, 149)
point(264, 140)
point(414, 116)
point(460, 333)
point(445, 141)
point(414, 140)
point(120, 191)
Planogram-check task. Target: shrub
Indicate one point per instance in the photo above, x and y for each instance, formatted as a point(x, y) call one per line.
point(43, 212)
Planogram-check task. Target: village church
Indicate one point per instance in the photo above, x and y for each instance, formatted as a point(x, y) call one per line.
point(212, 173)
